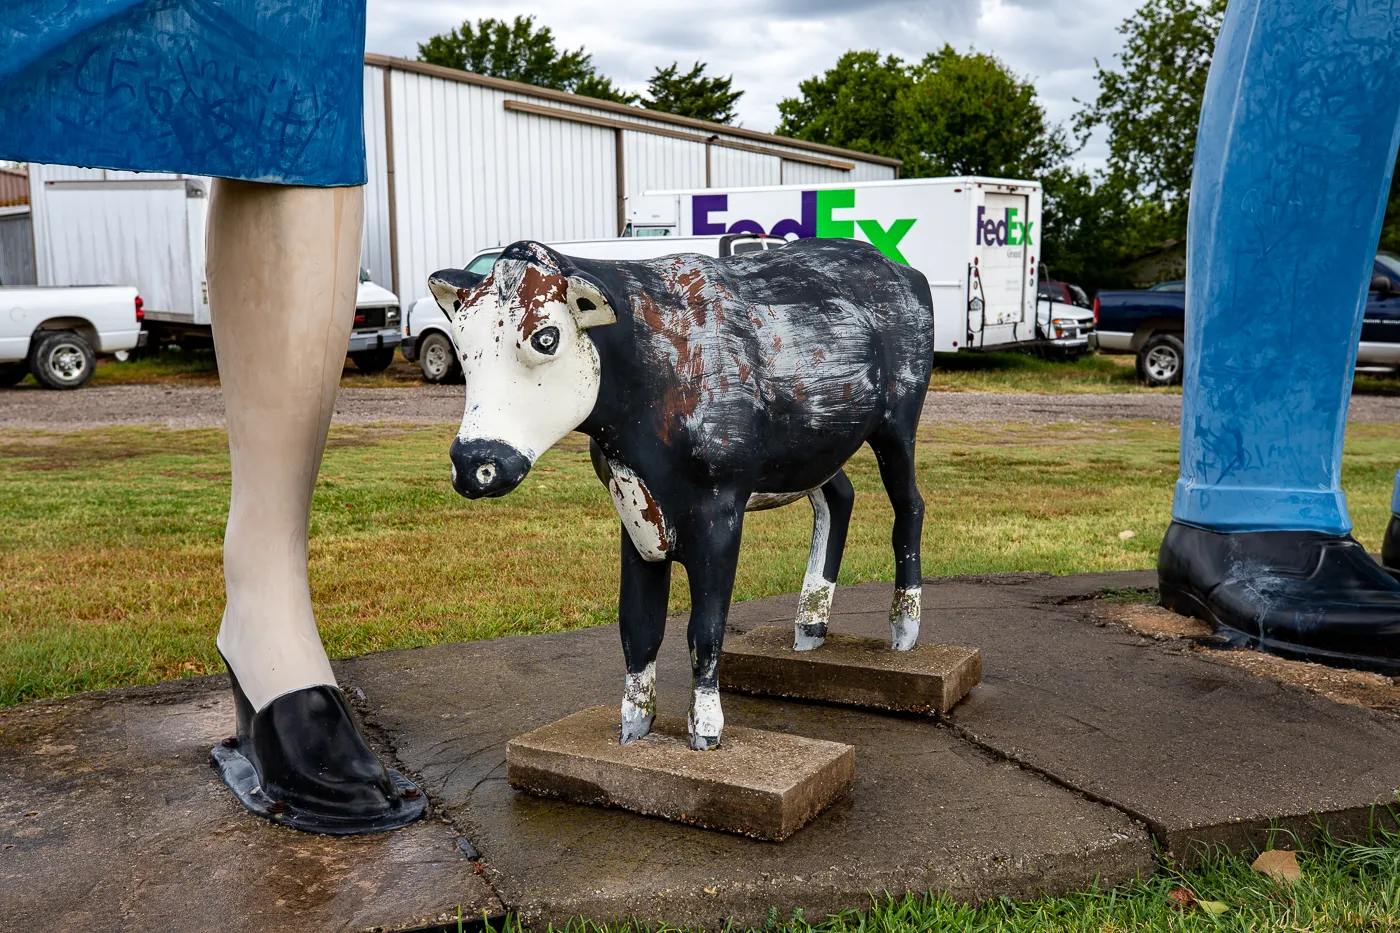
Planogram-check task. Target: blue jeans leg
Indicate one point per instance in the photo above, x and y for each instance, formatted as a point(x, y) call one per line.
point(1297, 143)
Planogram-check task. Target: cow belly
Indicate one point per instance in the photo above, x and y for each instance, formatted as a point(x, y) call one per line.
point(761, 501)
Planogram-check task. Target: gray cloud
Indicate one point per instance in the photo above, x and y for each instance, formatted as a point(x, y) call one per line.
point(770, 47)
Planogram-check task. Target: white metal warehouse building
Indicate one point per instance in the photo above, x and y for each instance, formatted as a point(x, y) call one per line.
point(459, 162)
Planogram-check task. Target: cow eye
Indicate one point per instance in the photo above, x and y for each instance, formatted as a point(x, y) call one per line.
point(546, 340)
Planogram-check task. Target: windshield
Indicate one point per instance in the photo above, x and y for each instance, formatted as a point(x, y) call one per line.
point(1390, 263)
point(481, 265)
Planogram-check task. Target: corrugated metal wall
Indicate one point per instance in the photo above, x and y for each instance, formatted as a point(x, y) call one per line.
point(16, 248)
point(799, 173)
point(734, 168)
point(653, 162)
point(470, 174)
point(375, 252)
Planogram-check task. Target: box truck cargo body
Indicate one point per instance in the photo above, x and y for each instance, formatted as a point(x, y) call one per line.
point(975, 239)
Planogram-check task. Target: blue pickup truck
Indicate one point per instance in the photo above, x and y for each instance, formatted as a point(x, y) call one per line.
point(1150, 324)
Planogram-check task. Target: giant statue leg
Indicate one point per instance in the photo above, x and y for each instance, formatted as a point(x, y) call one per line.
point(283, 268)
point(1297, 143)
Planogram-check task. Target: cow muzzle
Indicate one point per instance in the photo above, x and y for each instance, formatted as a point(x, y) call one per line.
point(486, 468)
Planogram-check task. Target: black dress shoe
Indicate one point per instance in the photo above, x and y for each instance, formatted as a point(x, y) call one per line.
point(1390, 547)
point(301, 761)
point(1297, 594)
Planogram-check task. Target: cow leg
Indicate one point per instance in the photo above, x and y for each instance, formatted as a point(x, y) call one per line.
point(894, 451)
point(711, 555)
point(831, 516)
point(646, 585)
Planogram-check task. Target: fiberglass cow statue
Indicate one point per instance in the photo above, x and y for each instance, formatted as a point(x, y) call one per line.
point(709, 387)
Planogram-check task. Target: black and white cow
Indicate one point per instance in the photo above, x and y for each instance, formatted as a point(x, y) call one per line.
point(709, 387)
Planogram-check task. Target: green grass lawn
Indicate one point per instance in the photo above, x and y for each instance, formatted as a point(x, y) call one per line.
point(110, 560)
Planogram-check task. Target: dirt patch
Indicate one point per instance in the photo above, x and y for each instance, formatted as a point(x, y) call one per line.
point(58, 452)
point(1341, 685)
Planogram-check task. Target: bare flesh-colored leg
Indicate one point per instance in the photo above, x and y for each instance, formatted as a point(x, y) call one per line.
point(282, 272)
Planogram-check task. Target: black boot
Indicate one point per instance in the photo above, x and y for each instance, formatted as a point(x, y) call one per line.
point(1297, 594)
point(301, 760)
point(1390, 547)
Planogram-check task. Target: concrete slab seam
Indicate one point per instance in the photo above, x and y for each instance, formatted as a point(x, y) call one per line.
point(381, 737)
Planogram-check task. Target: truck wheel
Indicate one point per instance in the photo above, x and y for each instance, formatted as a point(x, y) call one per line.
point(373, 361)
point(437, 358)
point(61, 359)
point(1161, 360)
point(12, 373)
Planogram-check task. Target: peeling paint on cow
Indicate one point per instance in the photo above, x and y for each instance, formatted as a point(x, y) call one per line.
point(904, 617)
point(638, 703)
point(640, 514)
point(706, 719)
point(814, 603)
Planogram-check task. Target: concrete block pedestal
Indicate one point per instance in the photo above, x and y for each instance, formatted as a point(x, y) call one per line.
point(851, 670)
point(761, 784)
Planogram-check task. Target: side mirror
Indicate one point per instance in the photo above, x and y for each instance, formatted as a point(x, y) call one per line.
point(1380, 283)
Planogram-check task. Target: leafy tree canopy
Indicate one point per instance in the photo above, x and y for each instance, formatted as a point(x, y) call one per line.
point(1151, 105)
point(970, 115)
point(518, 51)
point(692, 94)
point(951, 114)
point(852, 105)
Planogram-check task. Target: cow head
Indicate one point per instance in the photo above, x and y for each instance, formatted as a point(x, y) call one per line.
point(532, 373)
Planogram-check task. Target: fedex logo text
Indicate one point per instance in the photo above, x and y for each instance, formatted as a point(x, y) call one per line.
point(1007, 232)
point(815, 221)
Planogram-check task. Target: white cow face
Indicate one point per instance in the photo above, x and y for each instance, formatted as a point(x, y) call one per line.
point(532, 373)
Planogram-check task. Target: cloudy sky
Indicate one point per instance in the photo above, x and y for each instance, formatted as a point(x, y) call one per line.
point(771, 45)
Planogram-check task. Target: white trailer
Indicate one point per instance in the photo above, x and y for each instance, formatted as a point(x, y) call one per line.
point(147, 230)
point(975, 239)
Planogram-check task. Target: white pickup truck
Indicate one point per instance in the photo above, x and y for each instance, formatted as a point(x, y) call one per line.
point(57, 332)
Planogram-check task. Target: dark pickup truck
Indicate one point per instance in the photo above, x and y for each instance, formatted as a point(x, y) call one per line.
point(1150, 324)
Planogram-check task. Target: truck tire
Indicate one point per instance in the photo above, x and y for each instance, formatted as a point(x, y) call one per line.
point(373, 361)
point(1161, 360)
point(61, 359)
point(12, 373)
point(438, 358)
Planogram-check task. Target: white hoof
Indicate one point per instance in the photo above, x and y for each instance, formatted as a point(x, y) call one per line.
point(706, 719)
point(639, 704)
point(904, 618)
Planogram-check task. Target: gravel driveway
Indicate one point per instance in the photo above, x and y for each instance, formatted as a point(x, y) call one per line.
point(202, 407)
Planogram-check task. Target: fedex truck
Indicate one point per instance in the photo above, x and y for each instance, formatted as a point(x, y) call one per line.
point(975, 239)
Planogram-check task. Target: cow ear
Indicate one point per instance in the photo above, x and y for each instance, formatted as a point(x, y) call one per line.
point(588, 304)
point(448, 284)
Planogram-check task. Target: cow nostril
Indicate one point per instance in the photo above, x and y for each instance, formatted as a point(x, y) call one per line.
point(486, 473)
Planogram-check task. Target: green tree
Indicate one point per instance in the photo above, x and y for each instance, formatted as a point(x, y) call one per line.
point(852, 105)
point(970, 115)
point(1152, 105)
point(518, 51)
point(692, 94)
